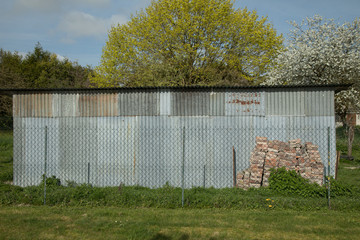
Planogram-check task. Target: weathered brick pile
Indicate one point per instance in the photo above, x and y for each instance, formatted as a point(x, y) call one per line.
point(303, 158)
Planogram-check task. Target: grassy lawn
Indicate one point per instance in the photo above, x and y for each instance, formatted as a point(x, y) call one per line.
point(341, 142)
point(349, 172)
point(6, 153)
point(23, 222)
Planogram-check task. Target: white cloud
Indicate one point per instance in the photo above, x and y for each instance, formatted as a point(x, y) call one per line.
point(59, 57)
point(22, 54)
point(79, 24)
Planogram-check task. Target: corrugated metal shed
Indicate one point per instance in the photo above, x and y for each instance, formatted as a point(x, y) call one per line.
point(147, 135)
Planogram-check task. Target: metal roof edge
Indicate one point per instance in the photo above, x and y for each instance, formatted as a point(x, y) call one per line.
point(9, 91)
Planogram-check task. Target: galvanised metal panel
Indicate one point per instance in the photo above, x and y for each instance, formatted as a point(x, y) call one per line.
point(217, 103)
point(245, 103)
point(298, 102)
point(281, 102)
point(134, 103)
point(29, 149)
point(44, 105)
point(41, 105)
point(67, 105)
point(78, 145)
point(116, 152)
point(285, 103)
point(98, 105)
point(165, 102)
point(19, 174)
point(88, 105)
point(16, 106)
point(190, 103)
point(23, 106)
point(320, 103)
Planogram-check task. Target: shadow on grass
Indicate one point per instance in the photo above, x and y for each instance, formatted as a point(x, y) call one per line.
point(161, 236)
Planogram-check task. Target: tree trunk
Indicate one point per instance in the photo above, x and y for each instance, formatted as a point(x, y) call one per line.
point(349, 128)
point(350, 138)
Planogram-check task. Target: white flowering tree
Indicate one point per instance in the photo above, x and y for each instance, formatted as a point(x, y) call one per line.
point(320, 51)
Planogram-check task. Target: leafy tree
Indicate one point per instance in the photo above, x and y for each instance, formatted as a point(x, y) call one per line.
point(42, 69)
point(188, 42)
point(10, 77)
point(38, 69)
point(321, 51)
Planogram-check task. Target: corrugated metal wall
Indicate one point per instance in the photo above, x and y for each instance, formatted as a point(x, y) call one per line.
point(136, 137)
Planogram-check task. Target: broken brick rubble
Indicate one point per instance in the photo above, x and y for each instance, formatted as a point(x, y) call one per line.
point(303, 158)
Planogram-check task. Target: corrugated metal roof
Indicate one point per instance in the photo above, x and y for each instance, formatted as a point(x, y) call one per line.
point(335, 87)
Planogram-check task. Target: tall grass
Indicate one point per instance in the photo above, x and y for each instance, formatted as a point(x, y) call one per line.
point(6, 156)
point(341, 142)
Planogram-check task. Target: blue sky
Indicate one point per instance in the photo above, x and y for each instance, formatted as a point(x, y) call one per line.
point(77, 29)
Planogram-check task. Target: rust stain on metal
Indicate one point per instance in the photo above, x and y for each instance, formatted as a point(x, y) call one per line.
point(242, 102)
point(87, 105)
point(102, 105)
point(34, 105)
point(16, 103)
point(107, 105)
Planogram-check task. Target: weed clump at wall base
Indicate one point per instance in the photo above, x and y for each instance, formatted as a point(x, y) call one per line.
point(291, 183)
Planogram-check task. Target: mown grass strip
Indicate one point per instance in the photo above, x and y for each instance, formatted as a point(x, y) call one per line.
point(23, 222)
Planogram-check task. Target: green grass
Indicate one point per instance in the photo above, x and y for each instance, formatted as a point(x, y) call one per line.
point(167, 197)
point(6, 156)
point(341, 142)
point(23, 222)
point(349, 171)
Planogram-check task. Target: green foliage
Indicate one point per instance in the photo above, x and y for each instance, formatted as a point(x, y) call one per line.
point(183, 43)
point(290, 182)
point(6, 122)
point(6, 174)
point(50, 181)
point(38, 69)
point(339, 188)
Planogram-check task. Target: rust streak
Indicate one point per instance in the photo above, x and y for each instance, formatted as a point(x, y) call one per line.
point(242, 102)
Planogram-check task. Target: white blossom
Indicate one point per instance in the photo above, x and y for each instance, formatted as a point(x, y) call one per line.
point(320, 51)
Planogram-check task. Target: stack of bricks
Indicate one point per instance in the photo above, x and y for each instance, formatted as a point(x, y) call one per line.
point(303, 158)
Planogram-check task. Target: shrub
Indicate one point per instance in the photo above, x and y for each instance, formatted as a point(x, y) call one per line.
point(290, 183)
point(51, 181)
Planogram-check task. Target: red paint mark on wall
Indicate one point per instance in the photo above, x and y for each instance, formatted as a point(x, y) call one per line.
point(242, 102)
